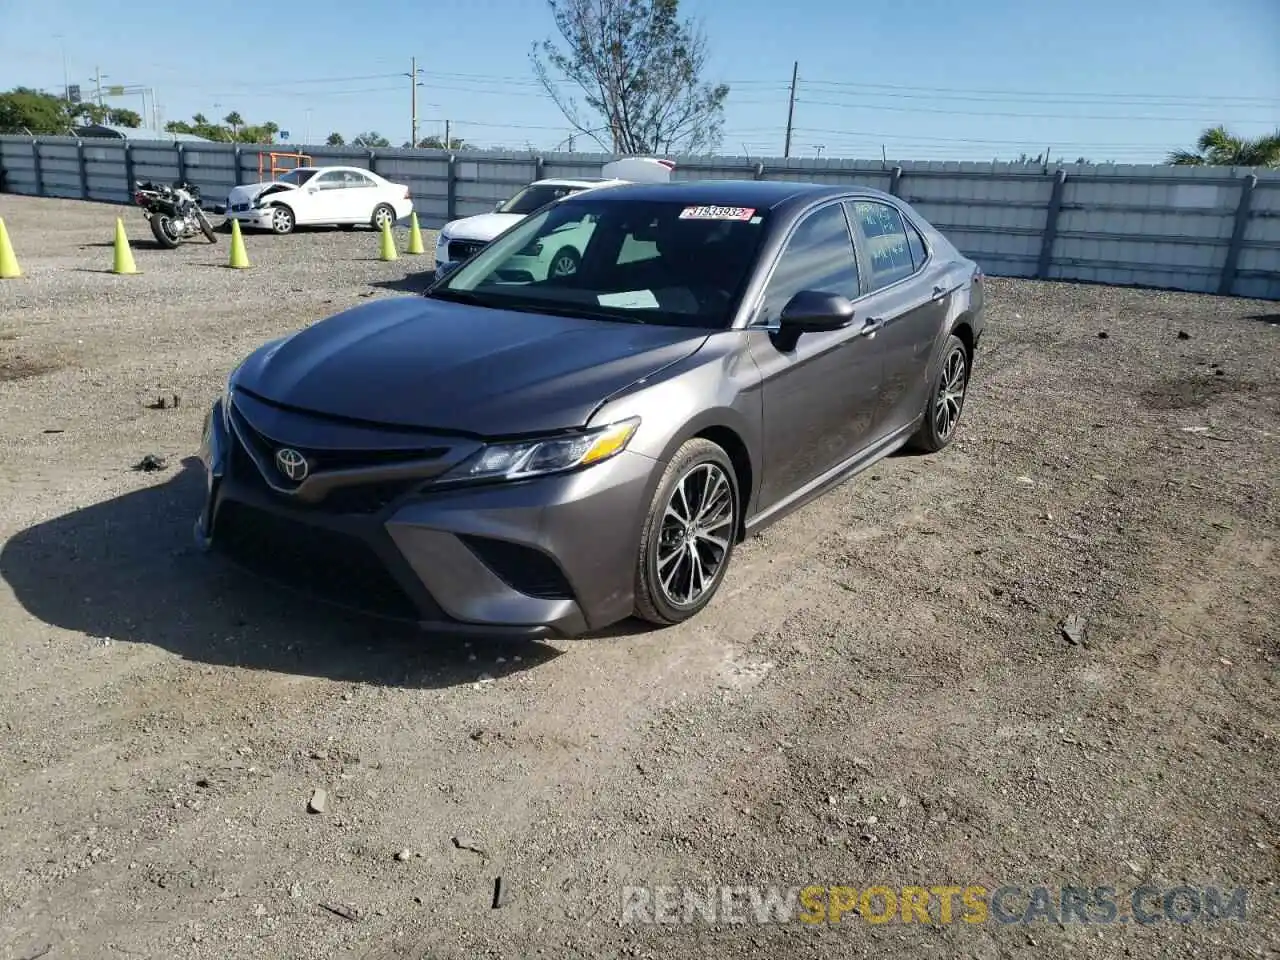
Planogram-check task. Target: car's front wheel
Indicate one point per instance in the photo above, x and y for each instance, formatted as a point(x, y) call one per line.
point(564, 263)
point(946, 399)
point(282, 219)
point(689, 534)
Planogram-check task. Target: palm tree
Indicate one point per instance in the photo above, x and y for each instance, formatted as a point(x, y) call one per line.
point(1218, 148)
point(234, 121)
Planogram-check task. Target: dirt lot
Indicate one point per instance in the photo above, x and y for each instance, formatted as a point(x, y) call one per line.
point(881, 695)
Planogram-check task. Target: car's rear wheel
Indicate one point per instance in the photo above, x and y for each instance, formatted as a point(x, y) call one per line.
point(282, 219)
point(946, 399)
point(564, 263)
point(689, 534)
point(383, 215)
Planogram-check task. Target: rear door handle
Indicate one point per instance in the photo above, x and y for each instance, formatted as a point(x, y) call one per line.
point(939, 291)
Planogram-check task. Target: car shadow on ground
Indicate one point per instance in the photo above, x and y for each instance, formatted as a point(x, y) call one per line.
point(413, 283)
point(128, 569)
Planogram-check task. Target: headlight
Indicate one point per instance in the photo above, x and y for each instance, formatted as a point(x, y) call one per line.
point(228, 389)
point(536, 458)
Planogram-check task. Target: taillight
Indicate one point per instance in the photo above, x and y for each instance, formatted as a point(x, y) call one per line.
point(140, 199)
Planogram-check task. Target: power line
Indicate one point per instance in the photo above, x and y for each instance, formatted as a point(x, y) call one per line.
point(914, 138)
point(1046, 100)
point(1042, 93)
point(1024, 116)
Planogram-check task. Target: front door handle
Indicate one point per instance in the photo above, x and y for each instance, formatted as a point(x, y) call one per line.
point(871, 326)
point(939, 291)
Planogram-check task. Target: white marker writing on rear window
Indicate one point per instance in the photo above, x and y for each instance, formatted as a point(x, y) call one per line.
point(717, 213)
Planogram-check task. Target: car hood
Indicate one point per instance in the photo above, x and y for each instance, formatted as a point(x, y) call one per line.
point(246, 192)
point(432, 365)
point(484, 227)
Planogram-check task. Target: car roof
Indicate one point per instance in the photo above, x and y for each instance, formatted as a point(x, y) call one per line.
point(572, 182)
point(330, 166)
point(761, 194)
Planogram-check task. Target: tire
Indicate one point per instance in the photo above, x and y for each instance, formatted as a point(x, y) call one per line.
point(566, 258)
point(945, 403)
point(664, 555)
point(206, 227)
point(383, 211)
point(282, 219)
point(163, 234)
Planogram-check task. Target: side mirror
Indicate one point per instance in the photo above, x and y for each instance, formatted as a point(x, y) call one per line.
point(498, 206)
point(812, 311)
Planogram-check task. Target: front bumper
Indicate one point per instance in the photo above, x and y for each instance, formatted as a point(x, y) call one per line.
point(253, 217)
point(553, 556)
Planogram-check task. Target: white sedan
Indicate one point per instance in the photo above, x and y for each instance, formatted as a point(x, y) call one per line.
point(319, 195)
point(555, 256)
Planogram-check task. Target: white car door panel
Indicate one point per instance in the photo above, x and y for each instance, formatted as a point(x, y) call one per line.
point(330, 198)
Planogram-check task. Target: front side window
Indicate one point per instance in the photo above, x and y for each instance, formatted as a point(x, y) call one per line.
point(298, 176)
point(885, 238)
point(534, 196)
point(633, 260)
point(819, 256)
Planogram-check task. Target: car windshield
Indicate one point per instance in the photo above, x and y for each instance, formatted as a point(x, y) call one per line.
point(297, 177)
point(607, 258)
point(534, 196)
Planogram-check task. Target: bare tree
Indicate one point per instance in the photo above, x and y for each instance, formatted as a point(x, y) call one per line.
point(637, 68)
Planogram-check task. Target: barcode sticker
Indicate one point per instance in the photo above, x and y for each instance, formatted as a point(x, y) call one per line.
point(717, 213)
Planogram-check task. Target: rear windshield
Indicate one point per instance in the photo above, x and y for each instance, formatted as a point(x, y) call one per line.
point(615, 259)
point(534, 196)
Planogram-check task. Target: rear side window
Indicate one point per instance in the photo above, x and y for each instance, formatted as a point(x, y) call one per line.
point(919, 253)
point(885, 237)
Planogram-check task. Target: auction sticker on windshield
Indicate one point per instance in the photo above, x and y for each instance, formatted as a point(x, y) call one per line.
point(717, 213)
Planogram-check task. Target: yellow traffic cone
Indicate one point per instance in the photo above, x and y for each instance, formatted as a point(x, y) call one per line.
point(388, 242)
point(9, 269)
point(239, 257)
point(124, 256)
point(415, 235)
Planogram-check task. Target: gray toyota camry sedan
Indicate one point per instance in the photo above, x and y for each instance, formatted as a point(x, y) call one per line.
point(529, 451)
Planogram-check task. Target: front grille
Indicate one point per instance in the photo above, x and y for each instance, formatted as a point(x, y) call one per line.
point(521, 568)
point(240, 208)
point(327, 563)
point(360, 498)
point(333, 459)
point(462, 249)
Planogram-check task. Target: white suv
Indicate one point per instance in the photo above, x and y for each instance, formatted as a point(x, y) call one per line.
point(459, 239)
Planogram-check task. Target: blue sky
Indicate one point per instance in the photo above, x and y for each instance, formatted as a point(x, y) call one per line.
point(1121, 80)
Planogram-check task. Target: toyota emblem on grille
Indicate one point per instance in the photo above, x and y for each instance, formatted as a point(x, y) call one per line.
point(292, 464)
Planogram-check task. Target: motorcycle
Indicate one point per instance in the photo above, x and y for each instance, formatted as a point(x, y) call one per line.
point(173, 211)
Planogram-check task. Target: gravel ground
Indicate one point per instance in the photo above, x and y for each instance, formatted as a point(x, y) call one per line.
point(881, 695)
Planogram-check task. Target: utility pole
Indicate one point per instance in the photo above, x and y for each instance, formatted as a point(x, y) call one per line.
point(791, 108)
point(97, 83)
point(413, 99)
point(448, 140)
